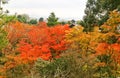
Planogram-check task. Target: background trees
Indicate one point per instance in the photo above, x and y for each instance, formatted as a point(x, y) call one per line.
point(41, 19)
point(52, 20)
point(97, 12)
point(33, 21)
point(89, 20)
point(24, 18)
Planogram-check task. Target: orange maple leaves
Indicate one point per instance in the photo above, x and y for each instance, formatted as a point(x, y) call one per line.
point(38, 41)
point(109, 49)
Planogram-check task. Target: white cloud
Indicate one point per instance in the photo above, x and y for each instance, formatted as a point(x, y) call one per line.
point(64, 9)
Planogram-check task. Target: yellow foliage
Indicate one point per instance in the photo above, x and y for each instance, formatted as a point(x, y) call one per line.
point(112, 23)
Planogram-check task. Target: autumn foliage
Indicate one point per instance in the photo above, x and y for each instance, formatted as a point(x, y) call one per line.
point(39, 41)
point(96, 53)
point(99, 49)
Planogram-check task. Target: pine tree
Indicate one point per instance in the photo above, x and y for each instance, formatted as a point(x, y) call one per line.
point(52, 20)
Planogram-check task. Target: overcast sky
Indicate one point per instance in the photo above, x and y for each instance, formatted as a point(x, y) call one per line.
point(64, 9)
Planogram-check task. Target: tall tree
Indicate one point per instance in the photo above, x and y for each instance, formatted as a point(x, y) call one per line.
point(90, 18)
point(97, 12)
point(52, 20)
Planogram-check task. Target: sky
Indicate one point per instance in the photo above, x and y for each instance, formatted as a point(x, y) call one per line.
point(63, 9)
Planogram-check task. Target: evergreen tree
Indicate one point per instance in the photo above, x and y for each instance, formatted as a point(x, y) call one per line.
point(63, 22)
point(33, 21)
point(24, 18)
point(52, 20)
point(89, 20)
point(106, 7)
point(97, 12)
point(41, 19)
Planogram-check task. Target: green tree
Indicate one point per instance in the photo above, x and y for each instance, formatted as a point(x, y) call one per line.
point(41, 19)
point(52, 20)
point(90, 18)
point(97, 12)
point(106, 7)
point(63, 22)
point(5, 19)
point(33, 21)
point(23, 18)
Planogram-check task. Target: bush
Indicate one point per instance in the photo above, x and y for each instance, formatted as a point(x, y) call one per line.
point(65, 67)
